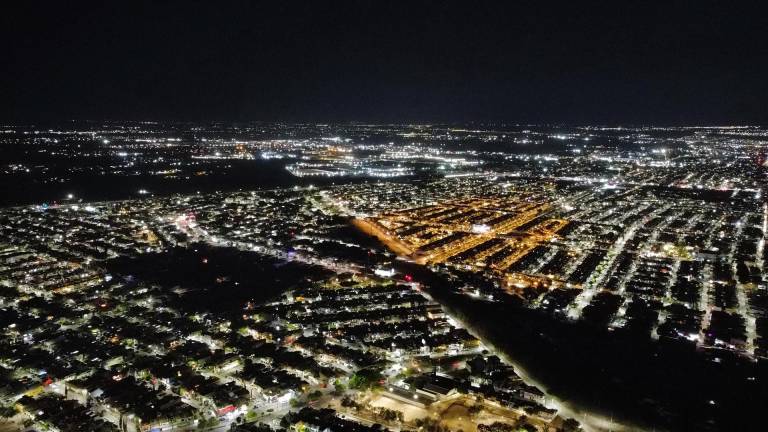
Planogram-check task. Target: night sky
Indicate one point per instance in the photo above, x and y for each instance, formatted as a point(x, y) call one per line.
point(666, 62)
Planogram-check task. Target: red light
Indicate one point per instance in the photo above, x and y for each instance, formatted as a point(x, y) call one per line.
point(408, 278)
point(226, 409)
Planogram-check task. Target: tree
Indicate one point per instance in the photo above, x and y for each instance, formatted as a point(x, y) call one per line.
point(347, 402)
point(365, 379)
point(7, 411)
point(430, 425)
point(497, 427)
point(314, 395)
point(389, 415)
point(571, 425)
point(208, 422)
point(338, 388)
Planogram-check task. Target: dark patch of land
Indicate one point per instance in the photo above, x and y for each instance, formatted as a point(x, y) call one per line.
point(216, 278)
point(663, 384)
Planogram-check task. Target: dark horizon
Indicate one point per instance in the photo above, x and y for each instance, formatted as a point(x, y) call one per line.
point(365, 62)
point(435, 124)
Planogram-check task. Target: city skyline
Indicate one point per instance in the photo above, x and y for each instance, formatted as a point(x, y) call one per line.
point(274, 276)
point(369, 216)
